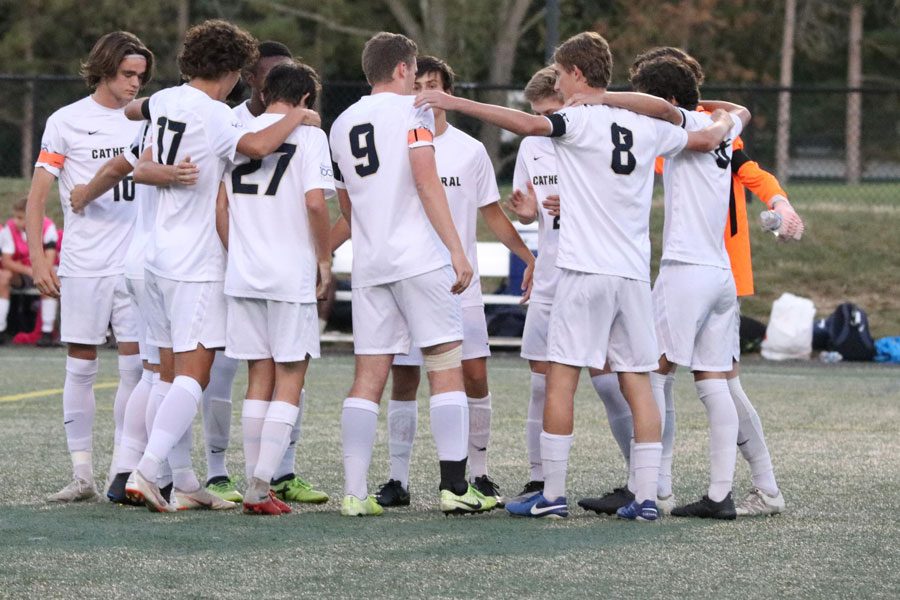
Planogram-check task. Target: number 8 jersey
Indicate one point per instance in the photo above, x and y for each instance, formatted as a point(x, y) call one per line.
point(370, 142)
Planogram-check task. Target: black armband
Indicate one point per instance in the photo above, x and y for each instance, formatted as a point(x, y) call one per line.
point(557, 124)
point(145, 109)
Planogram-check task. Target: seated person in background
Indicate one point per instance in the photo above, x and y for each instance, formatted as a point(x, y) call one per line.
point(16, 270)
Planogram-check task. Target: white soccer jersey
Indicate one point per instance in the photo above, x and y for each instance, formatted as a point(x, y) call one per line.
point(467, 174)
point(145, 196)
point(536, 162)
point(242, 112)
point(392, 237)
point(8, 245)
point(697, 193)
point(187, 122)
point(78, 140)
point(270, 247)
point(605, 158)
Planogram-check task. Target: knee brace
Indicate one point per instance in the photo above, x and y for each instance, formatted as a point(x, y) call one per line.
point(444, 361)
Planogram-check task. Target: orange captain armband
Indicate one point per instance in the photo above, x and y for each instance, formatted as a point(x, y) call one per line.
point(415, 136)
point(51, 158)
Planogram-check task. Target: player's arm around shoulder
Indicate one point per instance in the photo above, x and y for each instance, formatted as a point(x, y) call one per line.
point(636, 102)
point(510, 119)
point(149, 172)
point(259, 144)
point(728, 119)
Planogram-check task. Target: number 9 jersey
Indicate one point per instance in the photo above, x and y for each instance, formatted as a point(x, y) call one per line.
point(370, 143)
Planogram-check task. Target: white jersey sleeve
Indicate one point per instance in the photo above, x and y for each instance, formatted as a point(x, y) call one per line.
point(317, 163)
point(487, 191)
point(7, 246)
point(671, 139)
point(54, 147)
point(223, 131)
point(51, 236)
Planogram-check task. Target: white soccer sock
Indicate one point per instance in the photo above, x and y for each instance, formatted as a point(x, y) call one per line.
point(253, 416)
point(290, 453)
point(664, 487)
point(534, 425)
point(645, 462)
point(183, 476)
point(403, 420)
point(134, 432)
point(480, 412)
point(555, 456)
point(174, 416)
point(618, 413)
point(78, 413)
point(632, 483)
point(130, 372)
point(157, 395)
point(752, 440)
point(217, 414)
point(48, 314)
point(450, 425)
point(276, 431)
point(723, 431)
point(4, 313)
point(359, 420)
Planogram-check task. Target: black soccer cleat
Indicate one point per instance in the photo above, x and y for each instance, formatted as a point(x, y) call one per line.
point(707, 509)
point(46, 341)
point(487, 487)
point(609, 503)
point(116, 492)
point(392, 494)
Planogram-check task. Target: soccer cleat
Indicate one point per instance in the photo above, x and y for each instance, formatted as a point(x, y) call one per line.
point(665, 505)
point(166, 492)
point(266, 507)
point(645, 511)
point(117, 492)
point(758, 503)
point(292, 488)
point(707, 509)
point(77, 490)
point(201, 498)
point(539, 507)
point(609, 503)
point(154, 499)
point(392, 494)
point(284, 508)
point(134, 495)
point(487, 487)
point(223, 487)
point(354, 507)
point(472, 501)
point(531, 489)
point(47, 341)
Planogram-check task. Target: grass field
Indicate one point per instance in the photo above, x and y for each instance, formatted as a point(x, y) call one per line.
point(832, 430)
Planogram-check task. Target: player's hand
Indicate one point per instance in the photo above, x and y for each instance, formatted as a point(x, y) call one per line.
point(308, 116)
point(78, 199)
point(45, 279)
point(523, 204)
point(434, 99)
point(552, 205)
point(582, 98)
point(324, 280)
point(527, 282)
point(792, 226)
point(186, 172)
point(463, 270)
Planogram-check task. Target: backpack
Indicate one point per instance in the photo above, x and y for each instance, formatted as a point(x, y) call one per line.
point(848, 327)
point(752, 333)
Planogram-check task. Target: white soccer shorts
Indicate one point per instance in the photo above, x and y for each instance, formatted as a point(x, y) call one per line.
point(185, 314)
point(138, 293)
point(697, 316)
point(537, 326)
point(283, 331)
point(474, 345)
point(600, 318)
point(89, 305)
point(418, 311)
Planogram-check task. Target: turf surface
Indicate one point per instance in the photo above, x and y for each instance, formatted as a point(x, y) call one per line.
point(832, 430)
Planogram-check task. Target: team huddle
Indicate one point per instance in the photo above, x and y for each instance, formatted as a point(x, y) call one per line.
point(202, 235)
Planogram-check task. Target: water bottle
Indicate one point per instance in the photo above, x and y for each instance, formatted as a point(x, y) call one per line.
point(770, 220)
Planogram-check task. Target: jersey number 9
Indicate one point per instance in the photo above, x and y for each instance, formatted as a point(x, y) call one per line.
point(362, 145)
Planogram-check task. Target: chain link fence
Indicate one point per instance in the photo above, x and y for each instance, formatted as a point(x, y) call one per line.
point(818, 134)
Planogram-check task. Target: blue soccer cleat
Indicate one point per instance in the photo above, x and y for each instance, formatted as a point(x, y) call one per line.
point(539, 507)
point(645, 511)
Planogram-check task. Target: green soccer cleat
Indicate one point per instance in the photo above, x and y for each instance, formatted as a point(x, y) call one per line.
point(354, 507)
point(223, 487)
point(296, 489)
point(472, 501)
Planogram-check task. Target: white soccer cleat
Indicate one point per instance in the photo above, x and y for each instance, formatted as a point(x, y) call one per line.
point(201, 499)
point(665, 505)
point(77, 490)
point(758, 503)
point(132, 492)
point(153, 498)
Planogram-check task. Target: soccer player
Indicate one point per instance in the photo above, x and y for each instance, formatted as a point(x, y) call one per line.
point(288, 486)
point(467, 175)
point(605, 158)
point(535, 185)
point(404, 291)
point(16, 269)
point(185, 262)
point(276, 248)
point(77, 140)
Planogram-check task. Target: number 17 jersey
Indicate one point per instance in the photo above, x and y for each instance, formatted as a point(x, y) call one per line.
point(370, 143)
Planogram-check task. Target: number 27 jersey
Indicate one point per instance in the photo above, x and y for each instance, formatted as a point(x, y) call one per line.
point(370, 142)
